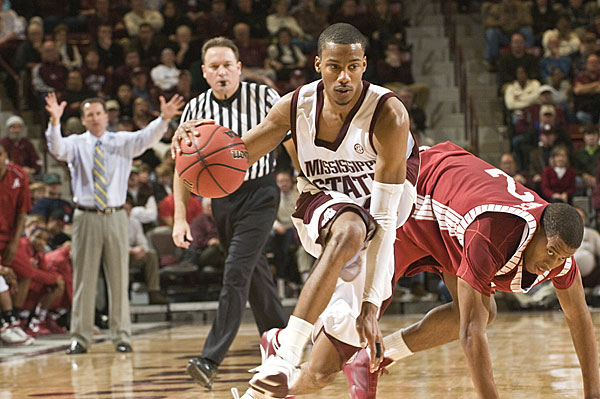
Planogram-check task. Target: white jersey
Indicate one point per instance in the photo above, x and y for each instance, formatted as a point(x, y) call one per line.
point(346, 165)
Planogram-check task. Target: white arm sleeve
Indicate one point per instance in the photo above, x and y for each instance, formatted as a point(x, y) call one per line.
point(385, 200)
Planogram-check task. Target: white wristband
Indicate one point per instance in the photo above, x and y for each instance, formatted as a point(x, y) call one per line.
point(385, 199)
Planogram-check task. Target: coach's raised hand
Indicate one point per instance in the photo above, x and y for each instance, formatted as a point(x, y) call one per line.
point(54, 108)
point(169, 109)
point(186, 131)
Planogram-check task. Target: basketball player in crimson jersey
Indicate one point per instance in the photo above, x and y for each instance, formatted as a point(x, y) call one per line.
point(359, 166)
point(482, 231)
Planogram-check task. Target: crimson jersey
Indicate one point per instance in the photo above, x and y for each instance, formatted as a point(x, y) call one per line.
point(14, 200)
point(473, 221)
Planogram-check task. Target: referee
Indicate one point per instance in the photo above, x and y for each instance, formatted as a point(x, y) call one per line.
point(244, 219)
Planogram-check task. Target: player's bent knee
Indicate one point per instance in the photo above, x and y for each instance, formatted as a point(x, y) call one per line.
point(348, 236)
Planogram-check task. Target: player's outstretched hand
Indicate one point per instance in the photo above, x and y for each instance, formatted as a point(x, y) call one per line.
point(370, 334)
point(170, 108)
point(186, 131)
point(182, 235)
point(54, 108)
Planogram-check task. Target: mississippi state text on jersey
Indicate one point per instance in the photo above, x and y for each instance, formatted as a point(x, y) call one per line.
point(346, 165)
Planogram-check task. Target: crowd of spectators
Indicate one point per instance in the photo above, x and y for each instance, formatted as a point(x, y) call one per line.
point(546, 54)
point(131, 52)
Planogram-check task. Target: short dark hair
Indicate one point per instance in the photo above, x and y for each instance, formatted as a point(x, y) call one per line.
point(220, 41)
point(90, 101)
point(563, 220)
point(341, 33)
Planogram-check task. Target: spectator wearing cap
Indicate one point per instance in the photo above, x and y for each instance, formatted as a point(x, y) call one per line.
point(586, 89)
point(586, 159)
point(56, 229)
point(508, 63)
point(520, 94)
point(297, 79)
point(553, 59)
point(165, 75)
point(540, 142)
point(139, 15)
point(51, 200)
point(142, 256)
point(19, 148)
point(112, 109)
point(530, 116)
point(542, 136)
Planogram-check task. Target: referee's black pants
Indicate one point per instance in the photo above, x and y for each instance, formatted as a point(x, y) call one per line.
point(244, 221)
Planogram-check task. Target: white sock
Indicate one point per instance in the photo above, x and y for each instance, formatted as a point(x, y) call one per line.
point(293, 338)
point(395, 346)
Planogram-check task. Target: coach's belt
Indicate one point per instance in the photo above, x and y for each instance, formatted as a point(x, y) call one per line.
point(106, 211)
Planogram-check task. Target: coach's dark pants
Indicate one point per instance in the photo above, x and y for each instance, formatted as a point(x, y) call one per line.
point(244, 221)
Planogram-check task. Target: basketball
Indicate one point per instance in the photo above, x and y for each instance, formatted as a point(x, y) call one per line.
point(215, 163)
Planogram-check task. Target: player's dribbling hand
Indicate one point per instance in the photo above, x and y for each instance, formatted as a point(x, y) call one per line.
point(186, 131)
point(182, 235)
point(370, 334)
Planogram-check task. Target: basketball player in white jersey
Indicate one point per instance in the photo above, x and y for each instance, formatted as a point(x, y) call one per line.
point(359, 165)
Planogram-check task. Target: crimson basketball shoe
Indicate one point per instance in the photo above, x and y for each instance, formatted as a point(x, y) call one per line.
point(362, 383)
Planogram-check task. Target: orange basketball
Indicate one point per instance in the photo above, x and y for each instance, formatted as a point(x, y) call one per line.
point(215, 164)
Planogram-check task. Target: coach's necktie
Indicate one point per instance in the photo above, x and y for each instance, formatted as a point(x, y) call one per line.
point(100, 194)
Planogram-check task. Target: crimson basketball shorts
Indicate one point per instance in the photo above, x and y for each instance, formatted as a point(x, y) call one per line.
point(316, 209)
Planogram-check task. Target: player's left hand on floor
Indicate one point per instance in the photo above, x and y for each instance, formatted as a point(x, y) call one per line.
point(370, 334)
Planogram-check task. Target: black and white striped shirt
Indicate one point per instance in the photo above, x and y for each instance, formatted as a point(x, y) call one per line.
point(240, 113)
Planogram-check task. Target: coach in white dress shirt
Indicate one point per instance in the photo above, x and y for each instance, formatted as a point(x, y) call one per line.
point(100, 162)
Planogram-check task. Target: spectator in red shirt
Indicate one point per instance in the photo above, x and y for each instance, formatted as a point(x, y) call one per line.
point(15, 202)
point(166, 210)
point(217, 22)
point(558, 179)
point(206, 245)
point(44, 287)
point(20, 149)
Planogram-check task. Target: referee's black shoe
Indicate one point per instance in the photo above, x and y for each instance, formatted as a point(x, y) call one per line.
point(203, 371)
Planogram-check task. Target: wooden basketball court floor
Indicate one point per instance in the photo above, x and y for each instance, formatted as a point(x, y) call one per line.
point(532, 355)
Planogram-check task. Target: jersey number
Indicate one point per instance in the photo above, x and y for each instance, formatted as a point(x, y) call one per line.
point(511, 186)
